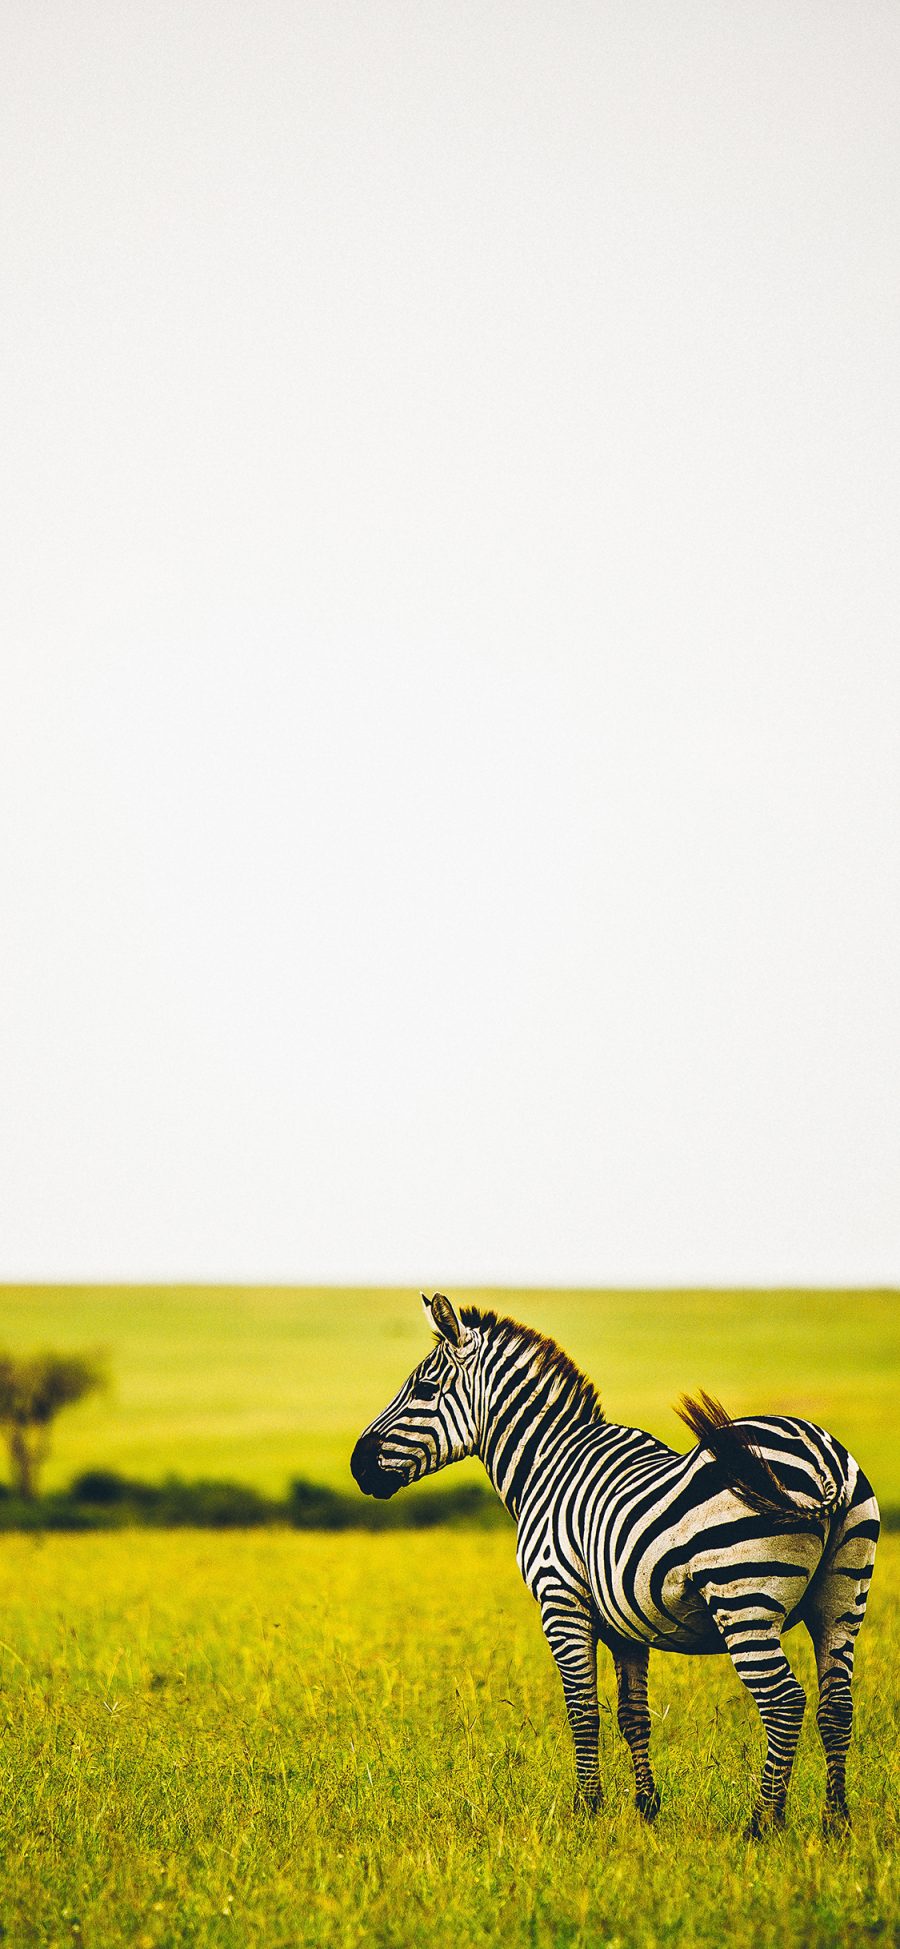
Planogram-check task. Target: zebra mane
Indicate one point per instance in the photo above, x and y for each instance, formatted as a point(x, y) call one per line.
point(546, 1358)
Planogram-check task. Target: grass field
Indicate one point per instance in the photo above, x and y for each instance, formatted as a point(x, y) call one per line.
point(282, 1740)
point(334, 1741)
point(270, 1383)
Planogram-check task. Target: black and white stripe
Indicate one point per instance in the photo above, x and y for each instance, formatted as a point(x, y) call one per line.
point(768, 1522)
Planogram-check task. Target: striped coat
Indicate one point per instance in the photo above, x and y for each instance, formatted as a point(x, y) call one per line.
point(766, 1523)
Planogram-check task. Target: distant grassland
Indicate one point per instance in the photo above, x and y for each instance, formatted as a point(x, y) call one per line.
point(269, 1382)
point(263, 1384)
point(276, 1741)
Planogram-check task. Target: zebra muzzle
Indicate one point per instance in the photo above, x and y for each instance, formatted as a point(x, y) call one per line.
point(368, 1474)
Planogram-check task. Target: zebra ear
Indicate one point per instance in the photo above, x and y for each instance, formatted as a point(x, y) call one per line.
point(443, 1318)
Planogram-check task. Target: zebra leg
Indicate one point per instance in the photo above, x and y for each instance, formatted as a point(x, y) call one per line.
point(569, 1631)
point(834, 1718)
point(634, 1723)
point(835, 1612)
point(754, 1645)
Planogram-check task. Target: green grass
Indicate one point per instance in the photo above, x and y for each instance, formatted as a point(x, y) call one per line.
point(265, 1384)
point(279, 1740)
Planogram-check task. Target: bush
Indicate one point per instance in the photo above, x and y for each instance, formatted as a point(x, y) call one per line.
point(102, 1499)
point(310, 1505)
point(103, 1486)
point(173, 1503)
point(213, 1505)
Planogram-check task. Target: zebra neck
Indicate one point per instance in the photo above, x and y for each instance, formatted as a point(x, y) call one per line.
point(525, 1426)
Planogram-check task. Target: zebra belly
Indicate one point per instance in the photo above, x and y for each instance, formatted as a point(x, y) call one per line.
point(685, 1624)
point(689, 1624)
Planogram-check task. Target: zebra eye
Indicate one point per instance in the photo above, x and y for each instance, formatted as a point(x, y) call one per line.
point(425, 1390)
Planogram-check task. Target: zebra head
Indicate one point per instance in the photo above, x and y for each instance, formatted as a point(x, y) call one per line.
point(431, 1421)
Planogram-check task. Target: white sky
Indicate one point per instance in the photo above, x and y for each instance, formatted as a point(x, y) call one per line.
point(449, 744)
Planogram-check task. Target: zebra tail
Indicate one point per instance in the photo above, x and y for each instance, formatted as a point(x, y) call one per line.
point(746, 1470)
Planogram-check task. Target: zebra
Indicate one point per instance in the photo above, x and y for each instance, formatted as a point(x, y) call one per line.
point(625, 1543)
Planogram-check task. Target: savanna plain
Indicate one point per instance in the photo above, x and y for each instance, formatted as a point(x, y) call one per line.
point(280, 1737)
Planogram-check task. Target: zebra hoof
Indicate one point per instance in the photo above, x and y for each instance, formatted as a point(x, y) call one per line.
point(588, 1800)
point(761, 1824)
point(647, 1804)
point(836, 1821)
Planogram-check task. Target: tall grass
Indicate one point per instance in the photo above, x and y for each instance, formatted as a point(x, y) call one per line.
point(276, 1739)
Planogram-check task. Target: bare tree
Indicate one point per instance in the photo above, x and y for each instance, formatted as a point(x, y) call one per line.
point(33, 1392)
